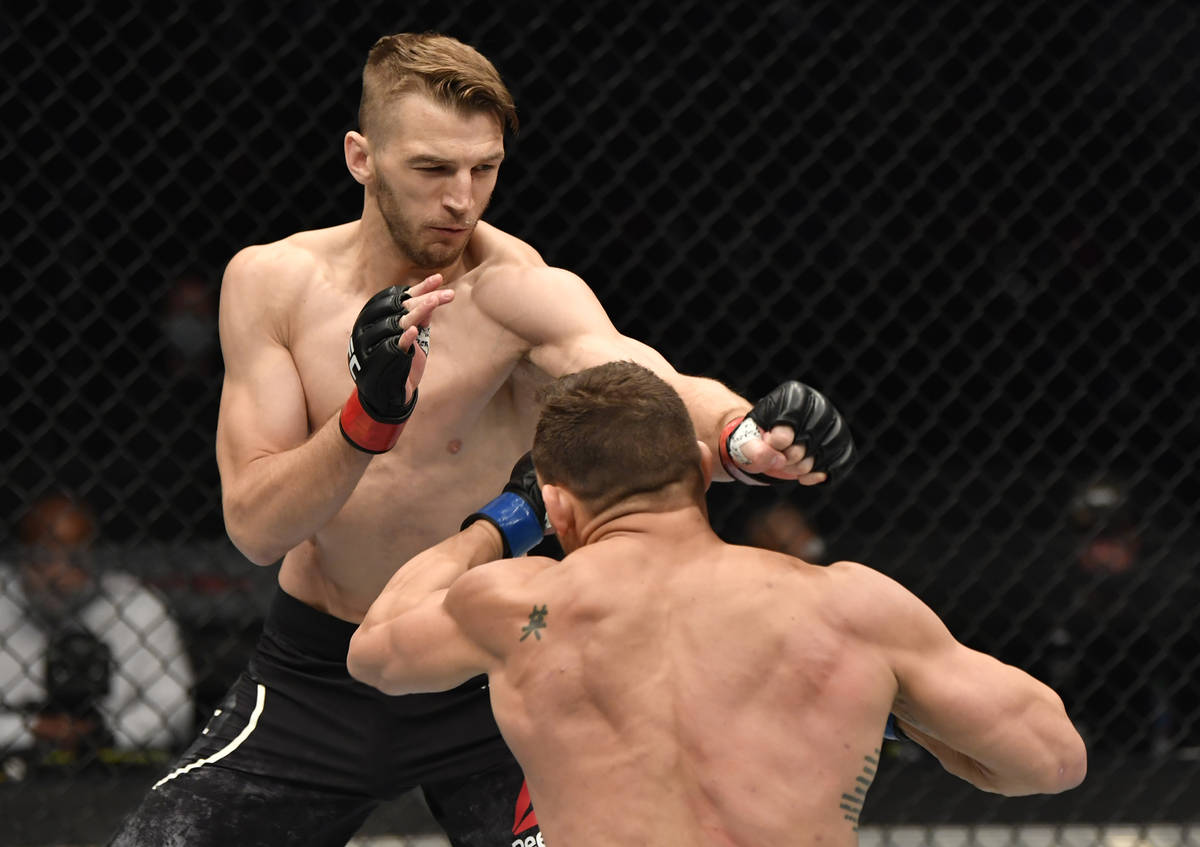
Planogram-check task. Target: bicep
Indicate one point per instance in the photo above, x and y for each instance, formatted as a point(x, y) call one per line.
point(262, 409)
point(562, 324)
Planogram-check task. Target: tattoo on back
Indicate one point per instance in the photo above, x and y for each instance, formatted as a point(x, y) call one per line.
point(537, 622)
point(851, 801)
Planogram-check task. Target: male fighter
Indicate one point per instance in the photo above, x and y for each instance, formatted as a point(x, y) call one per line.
point(347, 472)
point(660, 686)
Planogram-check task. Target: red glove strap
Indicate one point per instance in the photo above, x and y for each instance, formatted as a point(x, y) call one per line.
point(363, 431)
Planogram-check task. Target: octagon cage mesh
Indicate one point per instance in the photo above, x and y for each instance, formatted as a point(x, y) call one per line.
point(973, 226)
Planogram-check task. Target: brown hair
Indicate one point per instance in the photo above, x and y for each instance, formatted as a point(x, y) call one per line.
point(452, 73)
point(613, 431)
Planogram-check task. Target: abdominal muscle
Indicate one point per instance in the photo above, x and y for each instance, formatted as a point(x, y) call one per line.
point(407, 500)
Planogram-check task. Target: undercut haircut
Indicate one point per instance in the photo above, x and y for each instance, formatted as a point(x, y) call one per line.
point(615, 431)
point(452, 73)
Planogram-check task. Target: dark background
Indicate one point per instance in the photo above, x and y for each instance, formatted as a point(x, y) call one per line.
point(973, 226)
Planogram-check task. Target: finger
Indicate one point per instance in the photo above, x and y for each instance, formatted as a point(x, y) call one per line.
point(429, 283)
point(795, 454)
point(780, 437)
point(761, 456)
point(796, 467)
point(408, 343)
point(420, 309)
point(812, 478)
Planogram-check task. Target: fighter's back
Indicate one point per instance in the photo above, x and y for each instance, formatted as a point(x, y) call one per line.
point(696, 688)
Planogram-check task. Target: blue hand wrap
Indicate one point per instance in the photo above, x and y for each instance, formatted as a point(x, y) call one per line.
point(891, 731)
point(519, 525)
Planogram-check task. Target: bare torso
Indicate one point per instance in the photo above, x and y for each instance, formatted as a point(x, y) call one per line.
point(474, 418)
point(693, 693)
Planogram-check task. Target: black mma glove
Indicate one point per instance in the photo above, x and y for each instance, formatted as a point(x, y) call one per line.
point(817, 424)
point(374, 416)
point(518, 512)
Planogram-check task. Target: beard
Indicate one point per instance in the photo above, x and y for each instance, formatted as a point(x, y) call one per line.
point(406, 233)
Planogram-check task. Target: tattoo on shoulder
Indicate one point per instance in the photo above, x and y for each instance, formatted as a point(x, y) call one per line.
point(537, 622)
point(851, 802)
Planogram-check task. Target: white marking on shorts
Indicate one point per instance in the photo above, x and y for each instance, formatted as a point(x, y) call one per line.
point(228, 748)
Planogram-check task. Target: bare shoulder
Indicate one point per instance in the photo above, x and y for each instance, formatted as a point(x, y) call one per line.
point(492, 601)
point(497, 583)
point(511, 276)
point(495, 248)
point(281, 266)
point(263, 282)
point(878, 608)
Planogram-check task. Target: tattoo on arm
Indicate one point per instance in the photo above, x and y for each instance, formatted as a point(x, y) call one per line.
point(537, 622)
point(851, 802)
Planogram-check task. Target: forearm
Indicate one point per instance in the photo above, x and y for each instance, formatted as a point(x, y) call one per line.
point(712, 406)
point(399, 646)
point(279, 500)
point(1035, 750)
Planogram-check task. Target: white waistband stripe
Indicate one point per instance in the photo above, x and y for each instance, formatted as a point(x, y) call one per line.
point(260, 700)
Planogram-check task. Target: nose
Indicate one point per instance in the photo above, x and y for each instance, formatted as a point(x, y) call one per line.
point(457, 198)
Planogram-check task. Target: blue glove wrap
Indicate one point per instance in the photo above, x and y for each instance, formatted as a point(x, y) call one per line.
point(519, 525)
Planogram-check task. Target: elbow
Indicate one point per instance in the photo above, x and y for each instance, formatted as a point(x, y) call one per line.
point(260, 554)
point(361, 661)
point(1061, 769)
point(1072, 764)
point(249, 543)
point(375, 664)
point(1066, 761)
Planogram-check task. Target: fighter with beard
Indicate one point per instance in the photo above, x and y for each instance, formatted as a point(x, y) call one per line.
point(315, 470)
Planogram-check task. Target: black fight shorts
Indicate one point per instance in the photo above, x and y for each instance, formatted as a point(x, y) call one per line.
point(299, 753)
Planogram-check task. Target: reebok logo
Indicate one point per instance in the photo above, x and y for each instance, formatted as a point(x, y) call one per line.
point(525, 818)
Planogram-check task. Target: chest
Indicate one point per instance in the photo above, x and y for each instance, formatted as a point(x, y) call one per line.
point(475, 368)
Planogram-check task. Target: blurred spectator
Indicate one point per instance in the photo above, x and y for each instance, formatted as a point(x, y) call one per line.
point(89, 657)
point(189, 327)
point(785, 528)
point(1103, 653)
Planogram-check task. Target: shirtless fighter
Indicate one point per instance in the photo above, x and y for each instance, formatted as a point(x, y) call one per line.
point(347, 472)
point(660, 686)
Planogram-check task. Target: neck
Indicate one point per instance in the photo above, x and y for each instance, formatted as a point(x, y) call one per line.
point(681, 522)
point(381, 263)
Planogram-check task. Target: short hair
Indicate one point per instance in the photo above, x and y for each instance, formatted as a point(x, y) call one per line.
point(452, 73)
point(614, 431)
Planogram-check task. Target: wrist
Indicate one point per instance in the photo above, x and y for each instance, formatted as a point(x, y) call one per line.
point(364, 432)
point(736, 433)
point(488, 542)
point(518, 524)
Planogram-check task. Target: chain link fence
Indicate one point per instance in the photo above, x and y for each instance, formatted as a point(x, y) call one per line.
point(973, 225)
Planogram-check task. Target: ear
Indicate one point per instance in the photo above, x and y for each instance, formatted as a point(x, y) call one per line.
point(358, 156)
point(706, 464)
point(558, 509)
